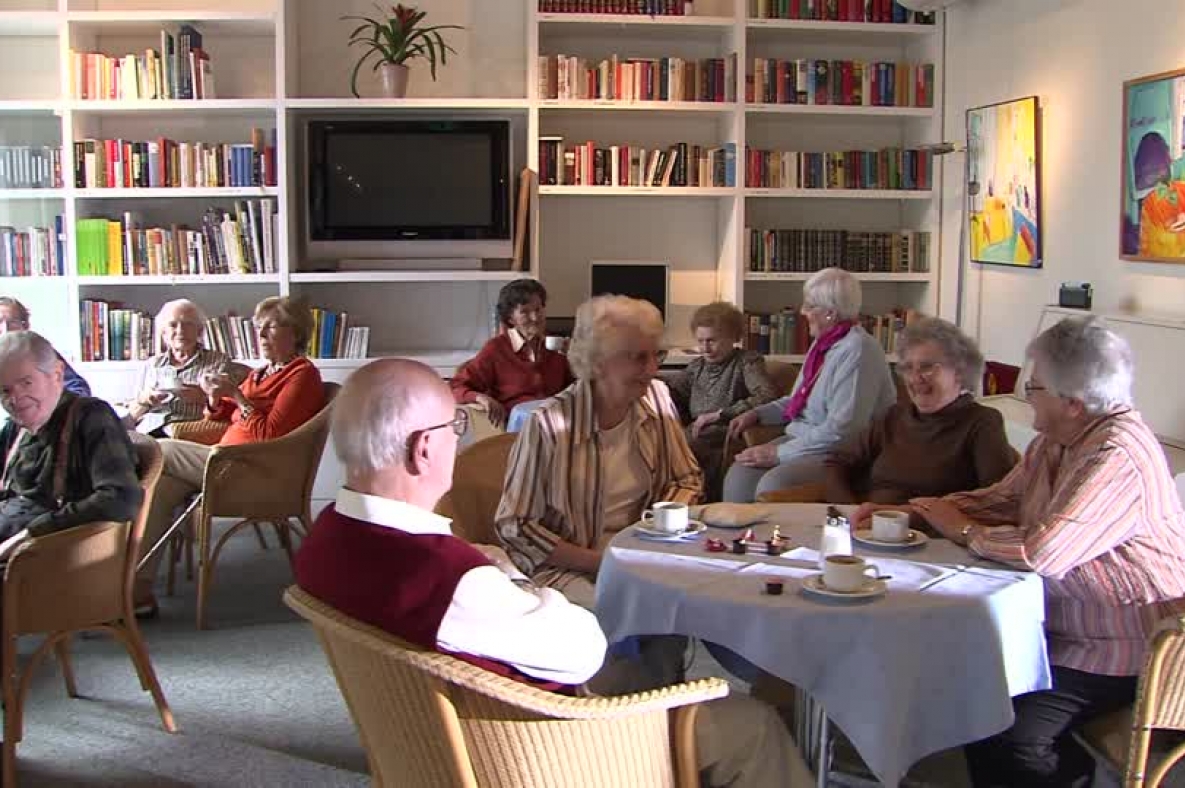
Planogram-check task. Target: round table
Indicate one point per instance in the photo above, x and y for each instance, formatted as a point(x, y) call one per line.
point(931, 664)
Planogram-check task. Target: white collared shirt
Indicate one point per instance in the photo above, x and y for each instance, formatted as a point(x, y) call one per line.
point(517, 341)
point(537, 631)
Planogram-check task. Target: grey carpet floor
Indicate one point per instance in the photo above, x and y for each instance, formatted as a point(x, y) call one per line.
point(254, 699)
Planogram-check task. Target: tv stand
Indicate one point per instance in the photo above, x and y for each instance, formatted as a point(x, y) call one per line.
point(410, 264)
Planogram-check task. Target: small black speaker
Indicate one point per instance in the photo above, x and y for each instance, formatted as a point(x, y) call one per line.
point(1075, 295)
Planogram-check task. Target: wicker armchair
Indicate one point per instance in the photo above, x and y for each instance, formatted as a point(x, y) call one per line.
point(264, 482)
point(1124, 737)
point(70, 581)
point(477, 489)
point(428, 719)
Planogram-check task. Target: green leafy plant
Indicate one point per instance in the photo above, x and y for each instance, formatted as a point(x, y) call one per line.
point(397, 38)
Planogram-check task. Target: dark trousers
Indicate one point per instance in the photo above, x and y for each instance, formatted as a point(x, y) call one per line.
point(1038, 749)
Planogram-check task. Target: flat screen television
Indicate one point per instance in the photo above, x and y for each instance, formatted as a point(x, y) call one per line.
point(398, 188)
point(643, 280)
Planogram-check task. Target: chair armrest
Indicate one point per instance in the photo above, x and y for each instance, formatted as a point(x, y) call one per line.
point(763, 433)
point(802, 493)
point(202, 431)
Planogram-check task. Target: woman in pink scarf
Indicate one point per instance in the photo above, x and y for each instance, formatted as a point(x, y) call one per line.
point(844, 382)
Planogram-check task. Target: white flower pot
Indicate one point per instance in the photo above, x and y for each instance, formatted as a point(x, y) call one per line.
point(394, 79)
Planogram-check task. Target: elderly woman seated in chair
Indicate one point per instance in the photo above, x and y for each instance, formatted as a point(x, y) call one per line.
point(940, 442)
point(591, 458)
point(273, 401)
point(514, 372)
point(170, 387)
point(715, 388)
point(845, 382)
point(67, 459)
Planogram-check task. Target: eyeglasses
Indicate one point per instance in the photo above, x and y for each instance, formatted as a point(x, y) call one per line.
point(460, 423)
point(1030, 387)
point(922, 369)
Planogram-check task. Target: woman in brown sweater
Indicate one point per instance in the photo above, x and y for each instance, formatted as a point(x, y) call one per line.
point(942, 441)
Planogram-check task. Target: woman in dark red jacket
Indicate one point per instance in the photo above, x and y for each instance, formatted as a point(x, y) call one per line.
point(514, 370)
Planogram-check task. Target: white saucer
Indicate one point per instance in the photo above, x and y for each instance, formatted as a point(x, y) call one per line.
point(694, 529)
point(871, 588)
point(916, 539)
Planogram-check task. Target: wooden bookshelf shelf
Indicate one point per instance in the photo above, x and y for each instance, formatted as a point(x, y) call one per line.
point(611, 105)
point(11, 107)
point(347, 277)
point(843, 194)
point(639, 191)
point(787, 276)
point(387, 105)
point(617, 21)
point(181, 279)
point(250, 106)
point(32, 194)
point(178, 193)
point(29, 23)
point(840, 110)
point(814, 27)
point(214, 23)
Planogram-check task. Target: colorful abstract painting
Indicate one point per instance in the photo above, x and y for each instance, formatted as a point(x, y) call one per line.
point(1152, 220)
point(1003, 183)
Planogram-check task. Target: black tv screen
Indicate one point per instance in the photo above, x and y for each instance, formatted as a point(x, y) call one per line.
point(400, 180)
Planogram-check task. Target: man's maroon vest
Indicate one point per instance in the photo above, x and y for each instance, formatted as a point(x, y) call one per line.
point(399, 582)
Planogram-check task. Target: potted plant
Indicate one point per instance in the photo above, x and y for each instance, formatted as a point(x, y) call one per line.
point(395, 39)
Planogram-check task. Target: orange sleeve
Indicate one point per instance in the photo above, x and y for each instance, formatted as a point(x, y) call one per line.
point(298, 398)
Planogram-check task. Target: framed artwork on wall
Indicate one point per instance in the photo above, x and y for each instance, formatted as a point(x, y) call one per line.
point(1004, 183)
point(1152, 210)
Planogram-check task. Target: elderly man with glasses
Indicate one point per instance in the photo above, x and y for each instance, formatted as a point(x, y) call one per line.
point(14, 316)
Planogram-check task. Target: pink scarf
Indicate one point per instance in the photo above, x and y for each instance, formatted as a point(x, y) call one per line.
point(814, 365)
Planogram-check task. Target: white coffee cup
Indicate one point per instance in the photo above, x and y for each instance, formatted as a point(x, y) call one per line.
point(666, 516)
point(890, 525)
point(847, 573)
point(554, 343)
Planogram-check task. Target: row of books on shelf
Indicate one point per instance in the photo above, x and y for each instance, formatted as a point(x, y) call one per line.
point(649, 7)
point(164, 163)
point(30, 167)
point(888, 11)
point(180, 69)
point(840, 82)
point(112, 332)
point(786, 333)
point(242, 241)
point(889, 168)
point(33, 251)
point(681, 164)
point(806, 251)
point(618, 78)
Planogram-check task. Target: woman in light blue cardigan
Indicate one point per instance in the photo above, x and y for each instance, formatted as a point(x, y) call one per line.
point(844, 383)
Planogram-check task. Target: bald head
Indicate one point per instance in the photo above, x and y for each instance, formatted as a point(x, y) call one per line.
point(378, 409)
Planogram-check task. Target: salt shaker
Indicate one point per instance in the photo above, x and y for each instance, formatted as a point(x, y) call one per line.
point(837, 537)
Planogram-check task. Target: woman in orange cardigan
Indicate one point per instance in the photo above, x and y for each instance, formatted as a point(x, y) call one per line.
point(273, 401)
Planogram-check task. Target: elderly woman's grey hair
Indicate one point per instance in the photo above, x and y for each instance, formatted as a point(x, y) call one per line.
point(171, 308)
point(1084, 359)
point(379, 407)
point(603, 322)
point(959, 351)
point(21, 310)
point(834, 289)
point(22, 345)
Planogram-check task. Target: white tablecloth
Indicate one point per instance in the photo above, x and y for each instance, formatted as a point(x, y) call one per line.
point(930, 665)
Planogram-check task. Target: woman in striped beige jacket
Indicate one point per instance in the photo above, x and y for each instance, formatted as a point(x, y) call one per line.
point(595, 455)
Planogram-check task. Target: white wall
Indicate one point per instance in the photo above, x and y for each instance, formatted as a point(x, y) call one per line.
point(1074, 55)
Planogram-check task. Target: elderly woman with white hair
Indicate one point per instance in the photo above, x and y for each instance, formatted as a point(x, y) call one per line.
point(67, 459)
point(941, 441)
point(170, 382)
point(845, 382)
point(591, 458)
point(1092, 508)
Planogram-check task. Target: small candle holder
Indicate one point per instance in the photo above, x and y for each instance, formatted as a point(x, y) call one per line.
point(740, 546)
point(774, 586)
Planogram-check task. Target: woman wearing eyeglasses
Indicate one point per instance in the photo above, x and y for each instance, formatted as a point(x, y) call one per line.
point(591, 458)
point(940, 442)
point(274, 400)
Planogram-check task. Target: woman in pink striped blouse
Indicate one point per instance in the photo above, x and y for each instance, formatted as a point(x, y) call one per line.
point(1094, 511)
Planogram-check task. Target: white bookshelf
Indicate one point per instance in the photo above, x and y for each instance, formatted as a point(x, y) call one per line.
point(280, 62)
